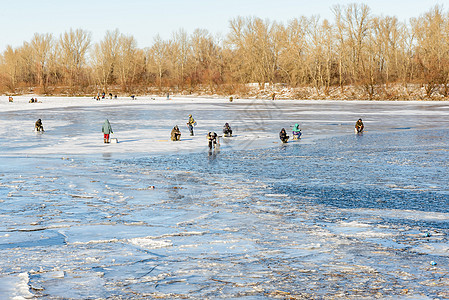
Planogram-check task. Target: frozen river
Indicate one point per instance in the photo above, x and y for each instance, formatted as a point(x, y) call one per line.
point(334, 215)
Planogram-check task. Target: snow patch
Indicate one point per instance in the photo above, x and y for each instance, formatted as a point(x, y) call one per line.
point(15, 287)
point(150, 242)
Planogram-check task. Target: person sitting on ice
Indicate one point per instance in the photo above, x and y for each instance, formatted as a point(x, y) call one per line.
point(227, 131)
point(38, 126)
point(296, 132)
point(283, 136)
point(359, 126)
point(212, 138)
point(32, 100)
point(175, 134)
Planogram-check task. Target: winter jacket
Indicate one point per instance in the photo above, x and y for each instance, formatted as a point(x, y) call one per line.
point(359, 124)
point(191, 121)
point(107, 129)
point(212, 136)
point(283, 134)
point(296, 128)
point(175, 133)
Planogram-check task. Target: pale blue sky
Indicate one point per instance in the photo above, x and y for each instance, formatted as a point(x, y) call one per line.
point(20, 19)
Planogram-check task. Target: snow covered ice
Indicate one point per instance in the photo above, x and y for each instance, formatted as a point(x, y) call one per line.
point(334, 215)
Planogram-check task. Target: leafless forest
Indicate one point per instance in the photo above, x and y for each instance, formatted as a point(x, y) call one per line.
point(355, 55)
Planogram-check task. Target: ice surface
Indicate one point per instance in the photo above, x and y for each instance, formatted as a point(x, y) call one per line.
point(332, 216)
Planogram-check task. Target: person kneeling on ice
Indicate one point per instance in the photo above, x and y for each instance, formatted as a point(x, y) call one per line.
point(283, 136)
point(175, 134)
point(359, 126)
point(227, 131)
point(296, 132)
point(190, 124)
point(107, 130)
point(212, 138)
point(38, 126)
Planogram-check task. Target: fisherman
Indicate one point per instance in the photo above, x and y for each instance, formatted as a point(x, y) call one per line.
point(212, 138)
point(296, 132)
point(227, 131)
point(38, 126)
point(107, 130)
point(359, 126)
point(190, 124)
point(283, 136)
point(175, 134)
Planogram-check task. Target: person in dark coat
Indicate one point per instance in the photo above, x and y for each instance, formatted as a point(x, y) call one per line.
point(38, 125)
point(283, 136)
point(175, 134)
point(212, 138)
point(359, 126)
point(227, 131)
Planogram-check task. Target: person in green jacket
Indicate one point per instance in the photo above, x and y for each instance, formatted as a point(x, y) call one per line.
point(107, 129)
point(296, 132)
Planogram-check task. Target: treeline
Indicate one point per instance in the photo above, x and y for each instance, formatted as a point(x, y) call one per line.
point(356, 49)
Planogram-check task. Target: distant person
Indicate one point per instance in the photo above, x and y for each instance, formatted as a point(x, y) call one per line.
point(175, 134)
point(227, 131)
point(10, 99)
point(115, 97)
point(273, 96)
point(212, 138)
point(107, 130)
point(168, 96)
point(359, 126)
point(190, 124)
point(103, 95)
point(31, 100)
point(110, 95)
point(296, 132)
point(38, 126)
point(283, 136)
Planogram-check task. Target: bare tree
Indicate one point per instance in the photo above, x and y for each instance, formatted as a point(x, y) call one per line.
point(158, 59)
point(10, 67)
point(432, 48)
point(42, 46)
point(73, 45)
point(127, 61)
point(104, 59)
